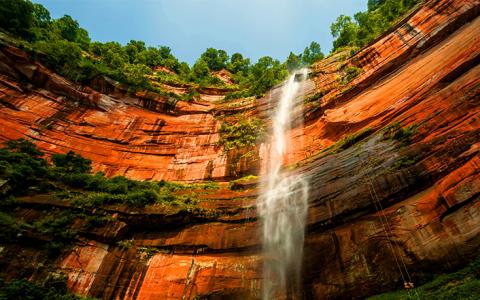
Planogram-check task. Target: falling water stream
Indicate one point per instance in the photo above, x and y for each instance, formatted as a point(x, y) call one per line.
point(283, 204)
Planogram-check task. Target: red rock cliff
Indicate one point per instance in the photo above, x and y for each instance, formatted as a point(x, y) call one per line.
point(424, 73)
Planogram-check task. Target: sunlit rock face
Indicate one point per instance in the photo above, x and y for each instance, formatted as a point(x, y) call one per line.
point(424, 72)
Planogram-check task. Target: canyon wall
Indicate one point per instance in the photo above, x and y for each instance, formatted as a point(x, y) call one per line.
point(392, 158)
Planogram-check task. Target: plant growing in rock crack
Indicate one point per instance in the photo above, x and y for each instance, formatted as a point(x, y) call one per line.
point(350, 140)
point(126, 244)
point(145, 253)
point(351, 72)
point(315, 97)
point(396, 132)
point(243, 134)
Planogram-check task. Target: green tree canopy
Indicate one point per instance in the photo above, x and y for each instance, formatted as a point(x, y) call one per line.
point(238, 63)
point(215, 59)
point(368, 25)
point(200, 69)
point(72, 162)
point(41, 15)
point(16, 16)
point(266, 73)
point(293, 62)
point(312, 53)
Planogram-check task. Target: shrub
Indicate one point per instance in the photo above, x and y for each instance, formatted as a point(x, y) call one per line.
point(350, 140)
point(72, 162)
point(52, 289)
point(245, 133)
point(126, 244)
point(462, 284)
point(396, 132)
point(405, 162)
point(315, 97)
point(141, 198)
point(351, 72)
point(22, 166)
point(10, 228)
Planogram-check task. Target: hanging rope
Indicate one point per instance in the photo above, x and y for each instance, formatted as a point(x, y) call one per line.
point(387, 228)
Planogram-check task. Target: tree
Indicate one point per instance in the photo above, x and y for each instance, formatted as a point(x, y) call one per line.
point(264, 74)
point(24, 146)
point(133, 48)
point(136, 75)
point(368, 25)
point(72, 162)
point(293, 62)
point(60, 55)
point(200, 70)
point(238, 63)
point(183, 70)
point(374, 4)
point(215, 59)
point(67, 28)
point(344, 30)
point(16, 16)
point(312, 53)
point(41, 15)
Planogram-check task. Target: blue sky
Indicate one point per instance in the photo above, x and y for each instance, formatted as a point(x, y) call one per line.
point(254, 28)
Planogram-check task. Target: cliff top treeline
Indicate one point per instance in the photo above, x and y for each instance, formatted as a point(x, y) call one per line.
point(62, 45)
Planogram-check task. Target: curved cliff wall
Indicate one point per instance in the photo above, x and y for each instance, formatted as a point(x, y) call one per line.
point(398, 146)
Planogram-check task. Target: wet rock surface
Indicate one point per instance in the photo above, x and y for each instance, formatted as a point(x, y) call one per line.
point(382, 198)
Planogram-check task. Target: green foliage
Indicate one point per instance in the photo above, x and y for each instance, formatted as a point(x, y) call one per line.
point(366, 26)
point(69, 29)
point(72, 162)
point(350, 73)
point(293, 62)
point(259, 78)
point(344, 30)
point(215, 59)
point(63, 46)
point(234, 183)
point(256, 79)
point(244, 134)
point(22, 166)
point(126, 244)
point(315, 97)
point(177, 186)
point(396, 132)
point(145, 253)
point(52, 289)
point(16, 16)
point(26, 171)
point(200, 70)
point(10, 228)
point(56, 225)
point(238, 64)
point(463, 284)
point(350, 140)
point(237, 95)
point(136, 75)
point(60, 55)
point(404, 162)
point(41, 15)
point(266, 73)
point(312, 54)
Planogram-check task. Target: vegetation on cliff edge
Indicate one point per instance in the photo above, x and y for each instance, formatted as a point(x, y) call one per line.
point(25, 173)
point(368, 25)
point(463, 284)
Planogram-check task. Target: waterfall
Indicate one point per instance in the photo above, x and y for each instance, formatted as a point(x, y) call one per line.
point(283, 204)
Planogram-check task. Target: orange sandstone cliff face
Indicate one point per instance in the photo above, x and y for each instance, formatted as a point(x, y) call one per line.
point(424, 73)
